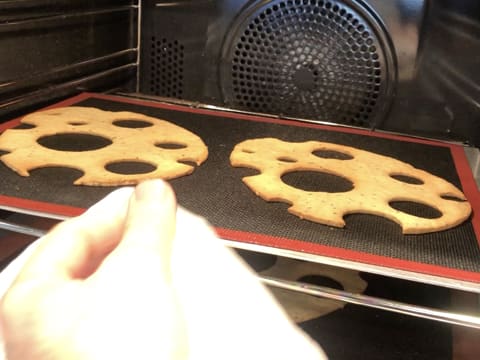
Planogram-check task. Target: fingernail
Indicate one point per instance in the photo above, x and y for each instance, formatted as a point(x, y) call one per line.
point(151, 189)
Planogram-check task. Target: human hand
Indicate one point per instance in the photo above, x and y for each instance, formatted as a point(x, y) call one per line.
point(132, 278)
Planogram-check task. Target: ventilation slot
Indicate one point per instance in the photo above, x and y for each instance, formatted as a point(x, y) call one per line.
point(166, 68)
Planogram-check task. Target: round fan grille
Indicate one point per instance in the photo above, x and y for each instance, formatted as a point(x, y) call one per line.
point(323, 60)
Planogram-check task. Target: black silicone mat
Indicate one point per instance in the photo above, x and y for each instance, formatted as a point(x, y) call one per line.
point(215, 191)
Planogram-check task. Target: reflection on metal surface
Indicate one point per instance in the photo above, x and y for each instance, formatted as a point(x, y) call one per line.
point(168, 4)
point(21, 229)
point(68, 71)
point(456, 82)
point(473, 157)
point(355, 265)
point(302, 307)
point(373, 302)
point(66, 88)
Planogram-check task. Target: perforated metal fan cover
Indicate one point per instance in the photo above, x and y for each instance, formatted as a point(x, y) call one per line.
point(323, 60)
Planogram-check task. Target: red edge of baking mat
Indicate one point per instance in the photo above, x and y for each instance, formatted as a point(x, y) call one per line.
point(463, 169)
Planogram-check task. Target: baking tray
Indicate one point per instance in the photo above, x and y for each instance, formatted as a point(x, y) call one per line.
point(215, 190)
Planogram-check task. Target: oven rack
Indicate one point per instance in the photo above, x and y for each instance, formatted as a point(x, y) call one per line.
point(449, 317)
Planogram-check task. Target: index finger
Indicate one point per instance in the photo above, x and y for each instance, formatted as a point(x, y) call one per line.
point(75, 248)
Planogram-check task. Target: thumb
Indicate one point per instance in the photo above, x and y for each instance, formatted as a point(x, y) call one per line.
point(138, 277)
point(149, 227)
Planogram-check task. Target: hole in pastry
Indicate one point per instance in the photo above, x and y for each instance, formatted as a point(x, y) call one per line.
point(407, 179)
point(244, 172)
point(356, 222)
point(188, 162)
point(452, 198)
point(132, 124)
point(416, 209)
point(286, 159)
point(130, 167)
point(171, 145)
point(4, 152)
point(321, 280)
point(56, 176)
point(332, 154)
point(24, 126)
point(77, 123)
point(73, 142)
point(317, 181)
point(248, 151)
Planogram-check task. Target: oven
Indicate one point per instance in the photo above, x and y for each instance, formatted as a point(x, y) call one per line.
point(398, 78)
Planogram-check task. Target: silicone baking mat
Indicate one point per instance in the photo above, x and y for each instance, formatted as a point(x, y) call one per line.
point(215, 191)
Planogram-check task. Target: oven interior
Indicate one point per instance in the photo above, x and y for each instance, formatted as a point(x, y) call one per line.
point(407, 67)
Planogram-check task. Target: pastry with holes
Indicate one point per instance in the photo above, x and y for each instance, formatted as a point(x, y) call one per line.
point(168, 149)
point(377, 183)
